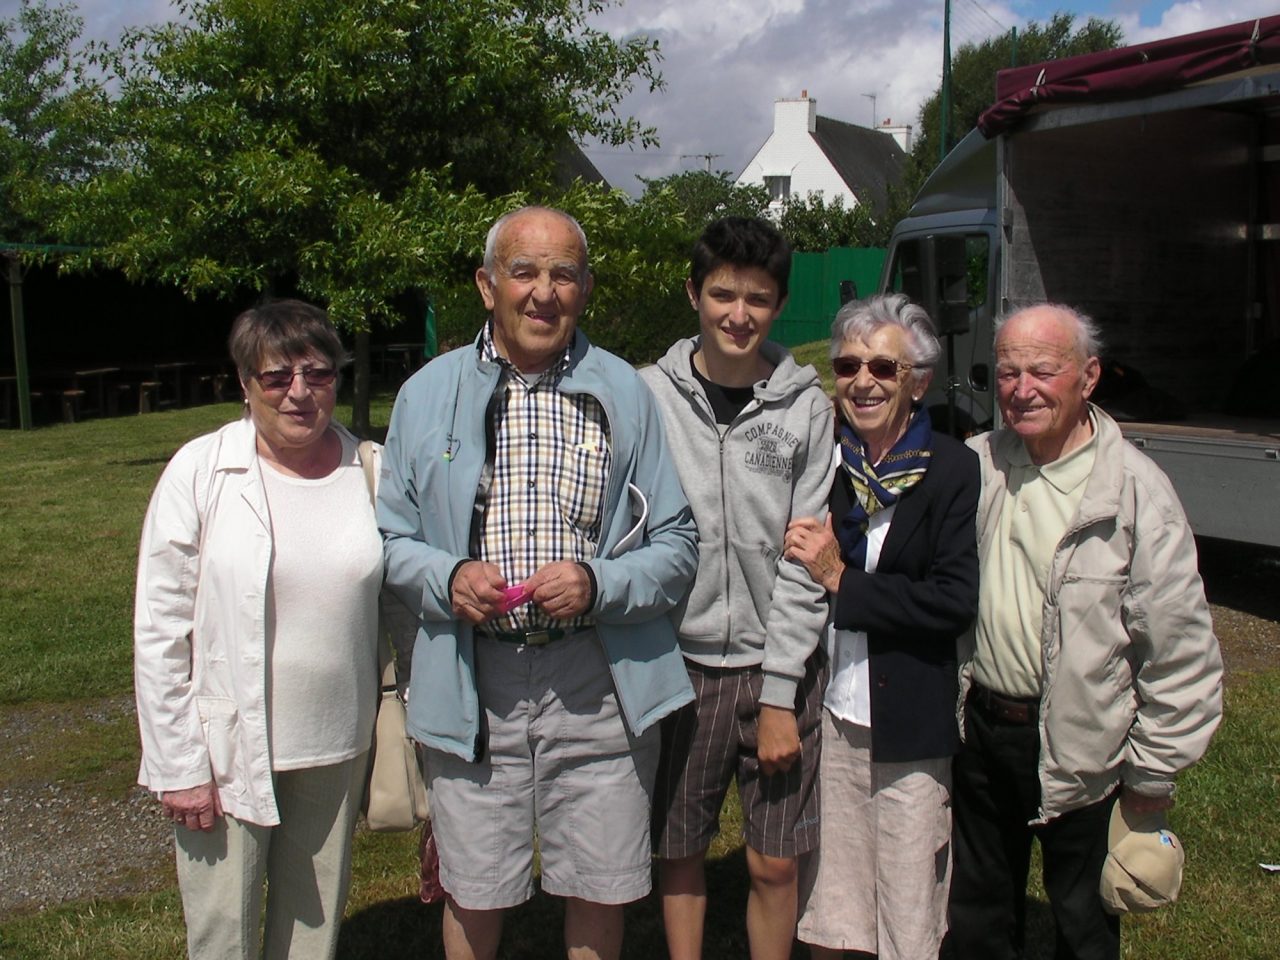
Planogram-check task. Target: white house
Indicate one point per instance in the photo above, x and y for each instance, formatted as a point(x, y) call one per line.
point(807, 154)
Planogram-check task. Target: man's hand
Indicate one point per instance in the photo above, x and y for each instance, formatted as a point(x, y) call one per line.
point(1139, 804)
point(814, 545)
point(777, 739)
point(477, 591)
point(196, 808)
point(562, 589)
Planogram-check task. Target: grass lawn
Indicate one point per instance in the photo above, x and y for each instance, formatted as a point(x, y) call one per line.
point(71, 504)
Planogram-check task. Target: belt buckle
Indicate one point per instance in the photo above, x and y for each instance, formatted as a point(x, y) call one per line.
point(537, 638)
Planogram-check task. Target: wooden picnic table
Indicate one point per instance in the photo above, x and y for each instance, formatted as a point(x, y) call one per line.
point(172, 372)
point(95, 382)
point(397, 359)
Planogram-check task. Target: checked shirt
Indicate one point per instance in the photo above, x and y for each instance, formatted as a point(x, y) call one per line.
point(545, 483)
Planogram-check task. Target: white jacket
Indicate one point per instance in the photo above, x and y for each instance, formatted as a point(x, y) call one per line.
point(199, 626)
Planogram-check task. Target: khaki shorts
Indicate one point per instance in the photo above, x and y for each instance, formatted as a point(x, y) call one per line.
point(712, 741)
point(559, 763)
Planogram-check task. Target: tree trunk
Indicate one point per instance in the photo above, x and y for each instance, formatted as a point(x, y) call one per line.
point(360, 425)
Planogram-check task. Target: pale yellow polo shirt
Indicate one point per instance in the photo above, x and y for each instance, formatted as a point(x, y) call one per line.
point(1037, 505)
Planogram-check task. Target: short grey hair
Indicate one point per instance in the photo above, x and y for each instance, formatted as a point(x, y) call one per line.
point(1088, 333)
point(491, 241)
point(861, 318)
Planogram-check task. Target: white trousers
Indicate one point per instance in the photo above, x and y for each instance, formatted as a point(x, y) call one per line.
point(304, 863)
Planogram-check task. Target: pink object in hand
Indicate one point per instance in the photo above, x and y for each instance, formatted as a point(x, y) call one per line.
point(515, 596)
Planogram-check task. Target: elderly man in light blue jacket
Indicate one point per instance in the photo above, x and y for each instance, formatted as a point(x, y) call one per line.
point(532, 514)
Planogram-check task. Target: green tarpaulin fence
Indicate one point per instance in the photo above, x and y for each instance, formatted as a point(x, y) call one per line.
point(815, 291)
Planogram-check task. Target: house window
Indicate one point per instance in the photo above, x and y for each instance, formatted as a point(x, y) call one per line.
point(779, 188)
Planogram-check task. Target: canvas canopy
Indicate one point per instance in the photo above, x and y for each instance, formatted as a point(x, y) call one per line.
point(1144, 69)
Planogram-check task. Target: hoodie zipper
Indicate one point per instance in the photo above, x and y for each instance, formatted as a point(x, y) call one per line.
point(751, 407)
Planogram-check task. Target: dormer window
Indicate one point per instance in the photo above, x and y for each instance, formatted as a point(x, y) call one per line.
point(779, 188)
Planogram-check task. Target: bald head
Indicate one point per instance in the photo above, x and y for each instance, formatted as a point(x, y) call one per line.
point(507, 219)
point(1045, 372)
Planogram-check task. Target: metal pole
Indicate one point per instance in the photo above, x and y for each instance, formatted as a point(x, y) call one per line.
point(944, 126)
point(19, 342)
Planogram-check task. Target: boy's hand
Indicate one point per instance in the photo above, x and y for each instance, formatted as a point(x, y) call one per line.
point(777, 739)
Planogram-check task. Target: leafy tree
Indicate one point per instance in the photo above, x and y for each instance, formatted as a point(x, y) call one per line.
point(47, 106)
point(973, 79)
point(350, 150)
point(704, 196)
point(813, 225)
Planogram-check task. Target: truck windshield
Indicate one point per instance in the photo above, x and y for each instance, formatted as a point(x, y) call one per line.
point(906, 274)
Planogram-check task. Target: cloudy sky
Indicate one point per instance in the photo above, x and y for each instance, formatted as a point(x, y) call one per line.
point(726, 61)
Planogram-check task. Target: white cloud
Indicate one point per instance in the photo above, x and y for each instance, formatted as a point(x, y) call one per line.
point(1195, 15)
point(725, 65)
point(726, 61)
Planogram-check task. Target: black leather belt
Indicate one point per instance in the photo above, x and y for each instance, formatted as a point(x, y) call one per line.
point(531, 638)
point(1024, 710)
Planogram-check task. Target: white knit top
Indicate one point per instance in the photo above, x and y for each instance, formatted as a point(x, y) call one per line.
point(322, 614)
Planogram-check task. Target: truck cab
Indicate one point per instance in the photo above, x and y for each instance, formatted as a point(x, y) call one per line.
point(948, 246)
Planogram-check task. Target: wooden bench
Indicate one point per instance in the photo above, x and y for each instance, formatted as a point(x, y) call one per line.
point(220, 387)
point(116, 393)
point(71, 405)
point(148, 396)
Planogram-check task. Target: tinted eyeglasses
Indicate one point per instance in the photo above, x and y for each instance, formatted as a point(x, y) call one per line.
point(282, 379)
point(882, 368)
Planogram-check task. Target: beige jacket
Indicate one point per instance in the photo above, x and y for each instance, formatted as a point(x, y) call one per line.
point(1132, 675)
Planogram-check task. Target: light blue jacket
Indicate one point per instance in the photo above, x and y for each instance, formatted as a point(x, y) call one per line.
point(431, 468)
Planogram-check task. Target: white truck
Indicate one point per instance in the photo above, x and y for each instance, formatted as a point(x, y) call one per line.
point(1141, 186)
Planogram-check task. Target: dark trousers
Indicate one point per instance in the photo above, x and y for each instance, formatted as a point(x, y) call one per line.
point(996, 791)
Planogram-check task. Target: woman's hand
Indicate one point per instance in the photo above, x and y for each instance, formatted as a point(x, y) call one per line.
point(814, 545)
point(196, 808)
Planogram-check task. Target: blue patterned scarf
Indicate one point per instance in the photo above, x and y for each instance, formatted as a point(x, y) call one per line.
point(881, 486)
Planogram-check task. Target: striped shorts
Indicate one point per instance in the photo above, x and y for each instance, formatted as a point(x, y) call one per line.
point(712, 741)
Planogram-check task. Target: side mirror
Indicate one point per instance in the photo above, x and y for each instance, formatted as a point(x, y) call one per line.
point(848, 292)
point(980, 377)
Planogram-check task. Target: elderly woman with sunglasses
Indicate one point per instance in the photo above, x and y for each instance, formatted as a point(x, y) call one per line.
point(254, 648)
point(899, 560)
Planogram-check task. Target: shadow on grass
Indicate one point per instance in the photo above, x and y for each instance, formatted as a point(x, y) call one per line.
point(535, 929)
point(412, 926)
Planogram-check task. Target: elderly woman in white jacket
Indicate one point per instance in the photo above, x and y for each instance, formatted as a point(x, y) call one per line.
point(254, 649)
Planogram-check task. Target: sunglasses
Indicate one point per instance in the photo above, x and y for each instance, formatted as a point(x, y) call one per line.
point(882, 368)
point(283, 379)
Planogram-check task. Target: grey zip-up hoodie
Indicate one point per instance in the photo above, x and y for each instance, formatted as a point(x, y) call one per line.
point(747, 605)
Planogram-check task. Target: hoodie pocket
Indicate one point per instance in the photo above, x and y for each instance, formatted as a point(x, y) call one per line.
point(752, 574)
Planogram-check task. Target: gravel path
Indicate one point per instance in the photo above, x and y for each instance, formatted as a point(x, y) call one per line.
point(62, 843)
point(65, 842)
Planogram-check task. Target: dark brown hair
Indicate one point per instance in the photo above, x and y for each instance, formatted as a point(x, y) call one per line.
point(283, 328)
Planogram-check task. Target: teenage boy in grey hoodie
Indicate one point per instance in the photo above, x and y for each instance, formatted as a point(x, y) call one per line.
point(751, 436)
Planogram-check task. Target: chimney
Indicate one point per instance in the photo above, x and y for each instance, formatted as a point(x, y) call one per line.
point(795, 116)
point(899, 132)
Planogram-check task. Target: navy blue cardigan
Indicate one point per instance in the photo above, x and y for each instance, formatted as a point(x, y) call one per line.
point(923, 595)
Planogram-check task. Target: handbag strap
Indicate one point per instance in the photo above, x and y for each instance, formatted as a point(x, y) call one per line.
point(367, 452)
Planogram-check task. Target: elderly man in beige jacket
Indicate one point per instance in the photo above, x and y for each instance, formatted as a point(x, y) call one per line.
point(1094, 676)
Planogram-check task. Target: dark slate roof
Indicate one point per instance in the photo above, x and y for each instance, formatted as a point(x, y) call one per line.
point(867, 160)
point(572, 163)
